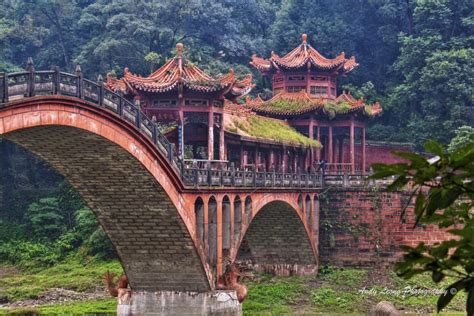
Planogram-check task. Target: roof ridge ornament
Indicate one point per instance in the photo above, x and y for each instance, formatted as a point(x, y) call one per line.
point(179, 49)
point(304, 38)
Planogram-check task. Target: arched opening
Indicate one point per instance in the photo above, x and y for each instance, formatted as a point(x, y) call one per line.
point(307, 211)
point(226, 232)
point(300, 202)
point(212, 231)
point(237, 218)
point(248, 209)
point(199, 213)
point(279, 246)
point(118, 187)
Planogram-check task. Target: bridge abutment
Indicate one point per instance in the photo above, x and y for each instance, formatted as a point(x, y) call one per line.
point(178, 303)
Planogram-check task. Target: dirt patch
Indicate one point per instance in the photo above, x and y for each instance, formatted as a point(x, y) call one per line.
point(57, 296)
point(8, 271)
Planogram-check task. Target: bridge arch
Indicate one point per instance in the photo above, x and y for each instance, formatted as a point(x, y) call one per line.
point(277, 241)
point(123, 179)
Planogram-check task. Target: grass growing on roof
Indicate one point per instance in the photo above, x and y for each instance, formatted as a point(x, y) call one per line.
point(264, 128)
point(289, 106)
point(332, 109)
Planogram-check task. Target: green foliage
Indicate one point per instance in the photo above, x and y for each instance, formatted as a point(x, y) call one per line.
point(464, 135)
point(28, 254)
point(104, 306)
point(415, 56)
point(332, 108)
point(45, 218)
point(74, 273)
point(273, 295)
point(444, 193)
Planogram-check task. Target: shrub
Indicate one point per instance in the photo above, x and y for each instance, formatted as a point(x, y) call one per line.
point(28, 254)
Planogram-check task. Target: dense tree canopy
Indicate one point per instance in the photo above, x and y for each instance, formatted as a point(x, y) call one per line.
point(416, 56)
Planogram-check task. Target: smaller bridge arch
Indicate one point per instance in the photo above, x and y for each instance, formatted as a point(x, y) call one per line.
point(276, 241)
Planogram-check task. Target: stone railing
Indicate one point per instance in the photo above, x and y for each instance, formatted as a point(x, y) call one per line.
point(31, 83)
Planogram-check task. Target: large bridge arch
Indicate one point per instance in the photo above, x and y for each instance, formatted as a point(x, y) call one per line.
point(124, 180)
point(277, 240)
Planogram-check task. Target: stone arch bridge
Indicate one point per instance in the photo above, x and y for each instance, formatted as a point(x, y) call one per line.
point(173, 227)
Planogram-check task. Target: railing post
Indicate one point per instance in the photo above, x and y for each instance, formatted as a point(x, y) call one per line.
point(255, 177)
point(30, 67)
point(222, 175)
point(154, 131)
point(232, 173)
point(100, 82)
point(4, 77)
point(80, 82)
point(56, 80)
point(273, 177)
point(196, 175)
point(345, 180)
point(170, 152)
point(120, 107)
point(138, 119)
point(209, 174)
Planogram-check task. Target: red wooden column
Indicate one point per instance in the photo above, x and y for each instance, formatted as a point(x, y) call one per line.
point(363, 150)
point(222, 151)
point(271, 159)
point(318, 137)
point(181, 136)
point(352, 136)
point(210, 136)
point(330, 147)
point(311, 135)
point(285, 159)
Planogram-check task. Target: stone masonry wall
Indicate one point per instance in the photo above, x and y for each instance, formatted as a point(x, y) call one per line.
point(363, 227)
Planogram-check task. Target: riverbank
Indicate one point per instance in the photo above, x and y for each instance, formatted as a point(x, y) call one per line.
point(75, 286)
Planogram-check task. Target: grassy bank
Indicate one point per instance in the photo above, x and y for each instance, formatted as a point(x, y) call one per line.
point(333, 291)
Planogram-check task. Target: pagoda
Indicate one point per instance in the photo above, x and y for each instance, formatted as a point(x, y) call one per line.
point(305, 94)
point(180, 95)
point(193, 109)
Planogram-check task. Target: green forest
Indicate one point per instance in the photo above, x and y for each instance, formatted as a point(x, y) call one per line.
point(416, 58)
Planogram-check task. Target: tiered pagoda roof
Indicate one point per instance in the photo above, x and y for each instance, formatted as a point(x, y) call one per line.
point(302, 56)
point(297, 103)
point(179, 73)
